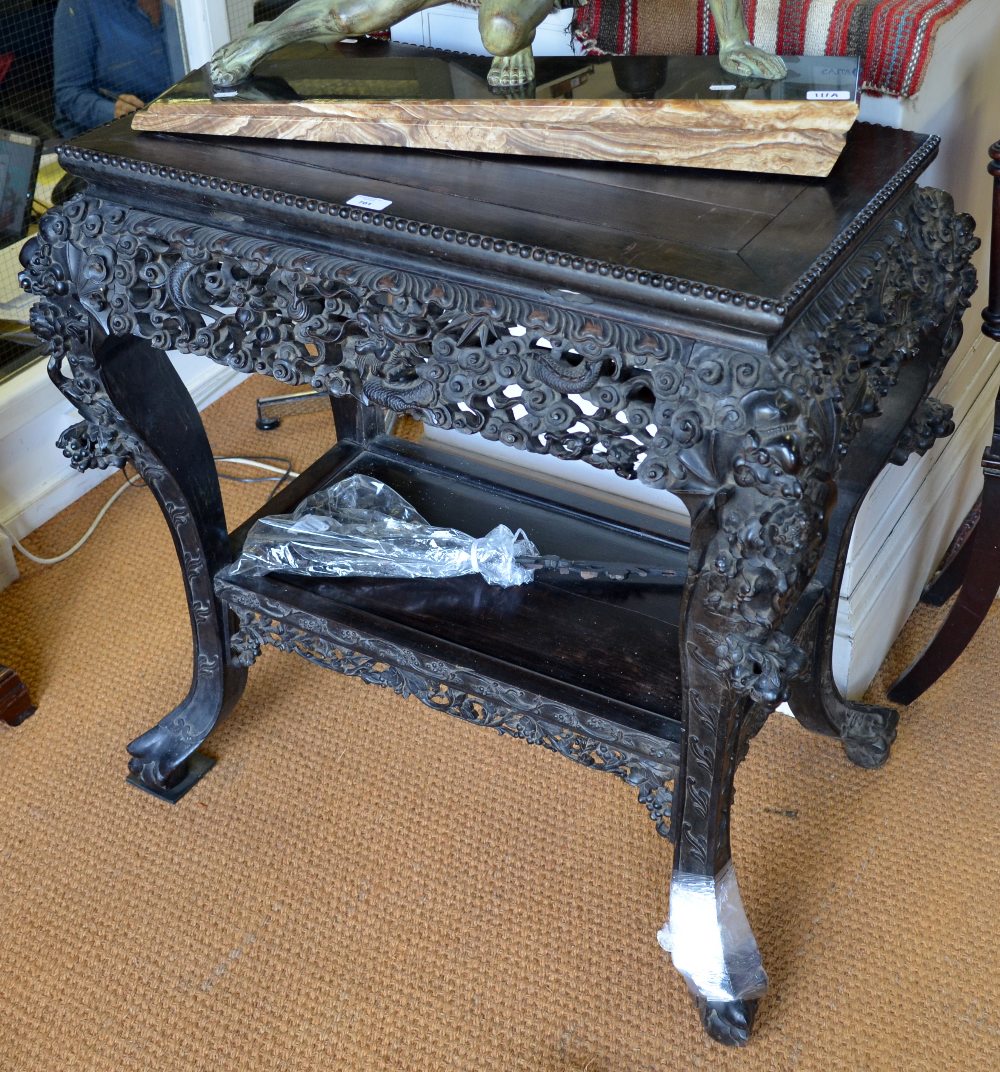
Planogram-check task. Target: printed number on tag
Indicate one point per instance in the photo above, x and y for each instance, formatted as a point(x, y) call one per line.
point(829, 94)
point(364, 201)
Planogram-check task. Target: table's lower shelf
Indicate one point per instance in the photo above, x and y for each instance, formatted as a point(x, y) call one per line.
point(589, 668)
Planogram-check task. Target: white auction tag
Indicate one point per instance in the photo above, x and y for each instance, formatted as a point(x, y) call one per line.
point(721, 88)
point(365, 201)
point(829, 94)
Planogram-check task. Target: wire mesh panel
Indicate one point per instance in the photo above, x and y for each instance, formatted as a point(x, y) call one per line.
point(27, 99)
point(241, 14)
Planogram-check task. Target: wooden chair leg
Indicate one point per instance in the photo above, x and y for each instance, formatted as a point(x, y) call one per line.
point(15, 703)
point(956, 562)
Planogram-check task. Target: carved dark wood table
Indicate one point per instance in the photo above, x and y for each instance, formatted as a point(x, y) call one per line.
point(761, 346)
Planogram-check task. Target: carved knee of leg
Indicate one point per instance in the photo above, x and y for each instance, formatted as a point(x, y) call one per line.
point(502, 35)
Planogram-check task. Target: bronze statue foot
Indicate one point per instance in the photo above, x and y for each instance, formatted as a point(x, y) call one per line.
point(728, 1022)
point(233, 63)
point(515, 70)
point(748, 61)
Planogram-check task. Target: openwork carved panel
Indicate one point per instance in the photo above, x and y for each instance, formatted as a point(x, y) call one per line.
point(543, 378)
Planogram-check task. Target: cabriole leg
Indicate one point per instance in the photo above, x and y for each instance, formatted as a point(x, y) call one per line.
point(136, 408)
point(748, 565)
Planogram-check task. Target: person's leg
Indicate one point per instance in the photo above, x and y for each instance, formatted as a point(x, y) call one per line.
point(327, 21)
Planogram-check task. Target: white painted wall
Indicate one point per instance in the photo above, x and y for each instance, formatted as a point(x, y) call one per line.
point(205, 25)
point(456, 29)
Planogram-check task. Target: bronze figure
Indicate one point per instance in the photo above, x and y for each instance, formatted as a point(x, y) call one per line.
point(507, 28)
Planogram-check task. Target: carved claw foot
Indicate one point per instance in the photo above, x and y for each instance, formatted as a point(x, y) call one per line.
point(728, 1022)
point(748, 61)
point(867, 733)
point(156, 768)
point(515, 70)
point(152, 762)
point(234, 62)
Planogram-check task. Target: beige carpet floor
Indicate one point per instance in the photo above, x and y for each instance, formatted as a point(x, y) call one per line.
point(361, 883)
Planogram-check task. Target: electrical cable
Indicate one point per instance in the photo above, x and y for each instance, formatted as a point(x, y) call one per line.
point(129, 483)
point(260, 461)
point(284, 472)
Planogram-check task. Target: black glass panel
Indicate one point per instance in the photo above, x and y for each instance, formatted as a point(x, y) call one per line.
point(379, 71)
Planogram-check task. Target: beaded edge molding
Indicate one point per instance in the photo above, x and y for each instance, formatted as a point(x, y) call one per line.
point(489, 244)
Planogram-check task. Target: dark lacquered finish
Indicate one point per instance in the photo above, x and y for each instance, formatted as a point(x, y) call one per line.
point(635, 237)
point(974, 568)
point(760, 346)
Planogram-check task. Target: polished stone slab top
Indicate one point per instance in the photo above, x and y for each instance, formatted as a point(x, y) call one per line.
point(679, 110)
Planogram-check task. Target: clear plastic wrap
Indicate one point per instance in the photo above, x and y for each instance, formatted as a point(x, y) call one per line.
point(360, 527)
point(709, 939)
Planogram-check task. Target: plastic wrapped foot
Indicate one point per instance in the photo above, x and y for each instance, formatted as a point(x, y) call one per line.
point(516, 70)
point(748, 61)
point(234, 62)
point(728, 1022)
point(710, 942)
point(867, 734)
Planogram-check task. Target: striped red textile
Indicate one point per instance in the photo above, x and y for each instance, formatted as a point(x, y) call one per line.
point(893, 37)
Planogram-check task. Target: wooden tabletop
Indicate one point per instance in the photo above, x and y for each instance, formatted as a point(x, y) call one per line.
point(741, 250)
